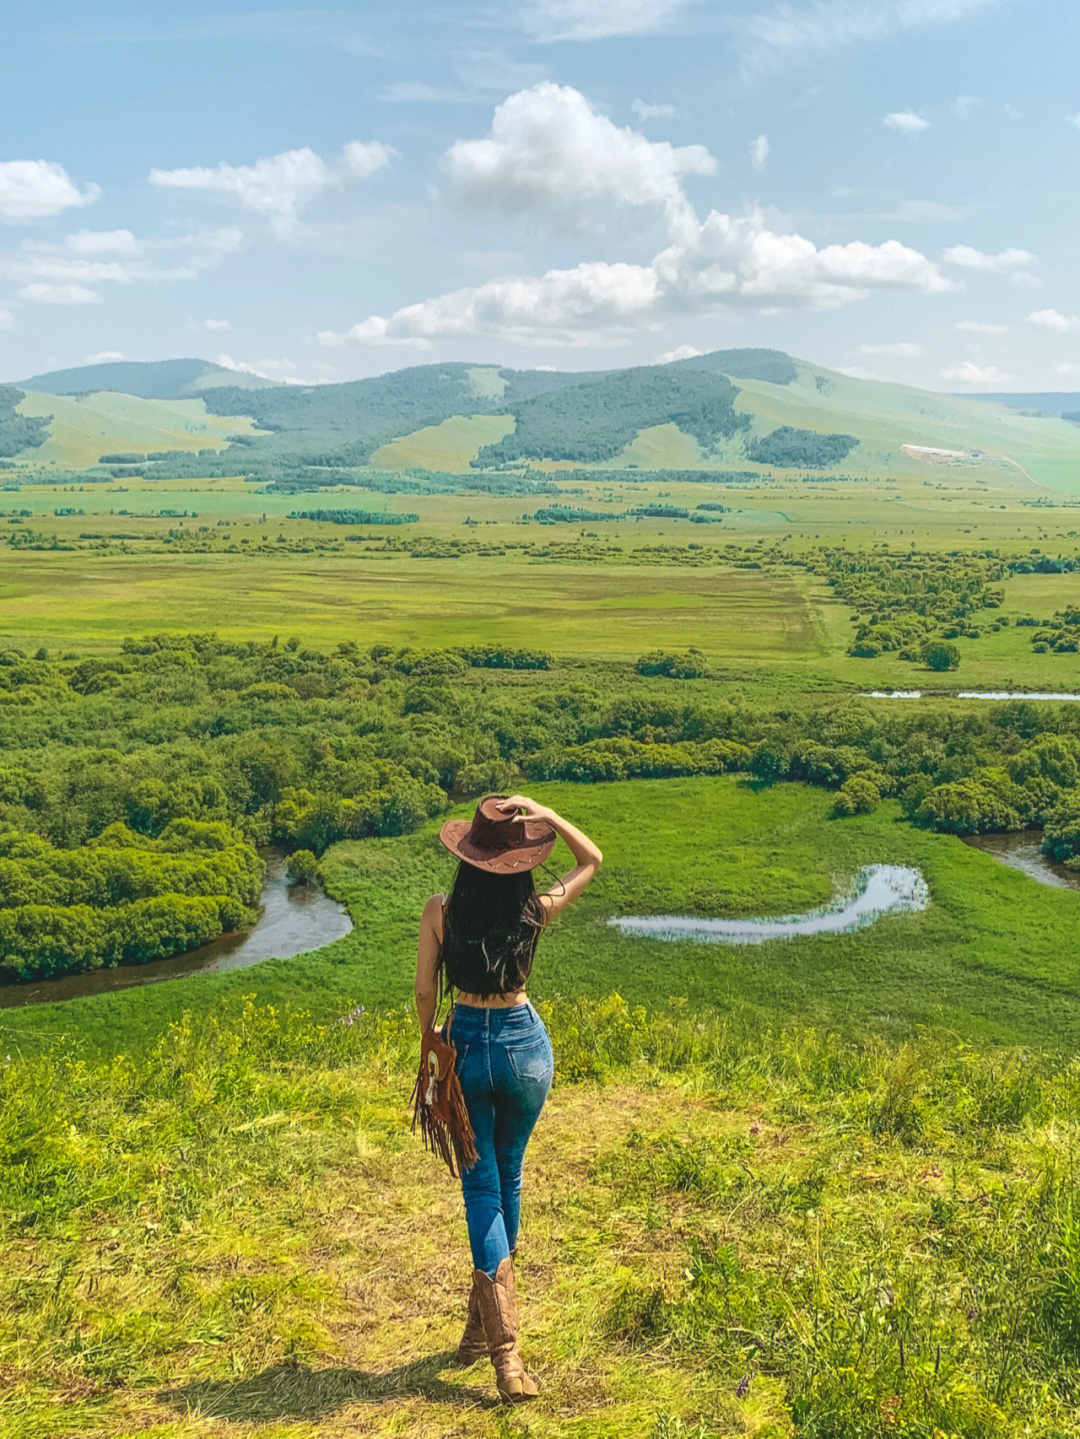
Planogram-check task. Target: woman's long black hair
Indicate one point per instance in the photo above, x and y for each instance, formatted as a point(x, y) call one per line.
point(490, 927)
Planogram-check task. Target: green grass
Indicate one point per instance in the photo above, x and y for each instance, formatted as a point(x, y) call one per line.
point(85, 428)
point(725, 1231)
point(62, 598)
point(449, 446)
point(991, 960)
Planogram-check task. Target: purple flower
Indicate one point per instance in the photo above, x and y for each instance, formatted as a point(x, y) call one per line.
point(742, 1387)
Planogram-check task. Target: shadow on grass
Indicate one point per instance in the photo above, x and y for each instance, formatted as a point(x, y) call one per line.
point(286, 1391)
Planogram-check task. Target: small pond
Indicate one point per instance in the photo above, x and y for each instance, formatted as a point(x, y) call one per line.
point(1022, 849)
point(293, 919)
point(971, 695)
point(877, 889)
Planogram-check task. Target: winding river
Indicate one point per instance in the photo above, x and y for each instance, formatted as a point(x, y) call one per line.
point(1022, 849)
point(292, 920)
point(878, 889)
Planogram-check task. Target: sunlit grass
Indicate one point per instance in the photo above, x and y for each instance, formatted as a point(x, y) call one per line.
point(764, 1232)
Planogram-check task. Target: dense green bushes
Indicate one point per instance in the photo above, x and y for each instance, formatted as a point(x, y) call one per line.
point(122, 898)
point(788, 447)
point(19, 432)
point(109, 764)
point(595, 418)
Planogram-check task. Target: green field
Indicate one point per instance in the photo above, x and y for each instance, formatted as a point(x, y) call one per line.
point(699, 846)
point(86, 427)
point(816, 1188)
point(225, 1224)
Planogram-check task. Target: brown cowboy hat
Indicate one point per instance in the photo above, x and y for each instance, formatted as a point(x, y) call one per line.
point(496, 841)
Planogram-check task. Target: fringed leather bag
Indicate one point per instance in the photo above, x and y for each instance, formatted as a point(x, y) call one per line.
point(439, 1105)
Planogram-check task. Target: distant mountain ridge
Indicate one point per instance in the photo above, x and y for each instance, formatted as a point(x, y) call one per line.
point(145, 379)
point(723, 411)
point(1047, 402)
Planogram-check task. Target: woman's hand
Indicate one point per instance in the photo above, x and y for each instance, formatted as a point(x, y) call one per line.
point(528, 808)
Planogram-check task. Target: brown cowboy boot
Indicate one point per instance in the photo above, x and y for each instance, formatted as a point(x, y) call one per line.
point(499, 1315)
point(474, 1343)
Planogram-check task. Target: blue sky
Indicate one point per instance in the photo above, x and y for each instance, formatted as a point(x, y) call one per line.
point(888, 187)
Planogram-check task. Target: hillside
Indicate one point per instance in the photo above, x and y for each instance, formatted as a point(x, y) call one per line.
point(145, 379)
point(751, 411)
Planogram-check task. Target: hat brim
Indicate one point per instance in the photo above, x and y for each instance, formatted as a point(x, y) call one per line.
point(537, 842)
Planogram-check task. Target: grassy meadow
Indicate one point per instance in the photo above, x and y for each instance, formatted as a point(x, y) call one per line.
point(727, 1231)
point(821, 1188)
point(992, 960)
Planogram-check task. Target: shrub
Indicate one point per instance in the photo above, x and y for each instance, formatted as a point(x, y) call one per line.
point(301, 866)
point(858, 795)
point(937, 655)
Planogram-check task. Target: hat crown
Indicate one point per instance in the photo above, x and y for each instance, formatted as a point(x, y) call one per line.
point(491, 829)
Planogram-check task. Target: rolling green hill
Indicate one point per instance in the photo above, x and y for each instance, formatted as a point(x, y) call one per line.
point(755, 411)
point(146, 379)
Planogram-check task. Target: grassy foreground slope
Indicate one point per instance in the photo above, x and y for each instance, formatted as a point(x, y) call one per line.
point(992, 959)
point(725, 1232)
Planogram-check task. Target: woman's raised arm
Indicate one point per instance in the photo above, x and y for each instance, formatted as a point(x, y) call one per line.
point(586, 853)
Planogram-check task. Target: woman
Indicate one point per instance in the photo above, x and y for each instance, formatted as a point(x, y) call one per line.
point(479, 940)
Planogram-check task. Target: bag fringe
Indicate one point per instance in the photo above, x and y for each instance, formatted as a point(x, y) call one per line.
point(456, 1140)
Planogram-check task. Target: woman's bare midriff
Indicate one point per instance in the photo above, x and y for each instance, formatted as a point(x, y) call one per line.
point(493, 1001)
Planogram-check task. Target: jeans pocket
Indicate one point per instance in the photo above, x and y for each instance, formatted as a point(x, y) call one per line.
point(532, 1061)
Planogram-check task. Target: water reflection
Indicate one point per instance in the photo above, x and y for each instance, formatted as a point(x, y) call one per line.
point(878, 889)
point(293, 920)
point(1022, 849)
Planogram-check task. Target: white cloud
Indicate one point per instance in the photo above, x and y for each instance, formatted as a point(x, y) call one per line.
point(907, 122)
point(1025, 280)
point(739, 260)
point(549, 20)
point(1068, 372)
point(571, 307)
point(1075, 119)
point(228, 363)
point(280, 186)
point(903, 349)
point(102, 356)
point(980, 327)
point(969, 258)
point(549, 149)
point(968, 373)
point(646, 111)
point(7, 319)
point(281, 370)
point(856, 372)
point(770, 37)
point(1054, 320)
point(34, 189)
point(723, 261)
point(964, 106)
point(759, 152)
point(211, 325)
point(48, 294)
point(680, 352)
point(94, 257)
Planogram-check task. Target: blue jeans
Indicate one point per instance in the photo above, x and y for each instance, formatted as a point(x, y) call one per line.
point(505, 1066)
